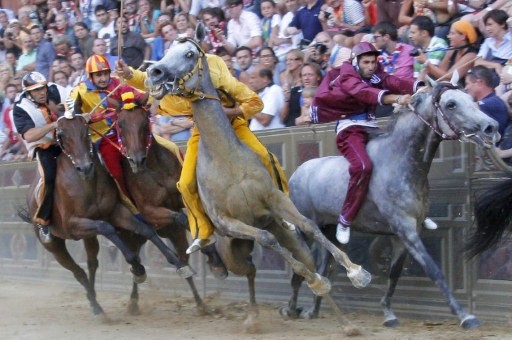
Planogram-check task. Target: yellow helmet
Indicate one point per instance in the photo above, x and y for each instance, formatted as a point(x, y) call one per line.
point(96, 63)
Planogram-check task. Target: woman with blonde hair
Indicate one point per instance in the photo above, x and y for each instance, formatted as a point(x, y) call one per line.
point(290, 77)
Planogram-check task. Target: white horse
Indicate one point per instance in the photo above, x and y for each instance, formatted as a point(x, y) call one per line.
point(236, 190)
point(397, 200)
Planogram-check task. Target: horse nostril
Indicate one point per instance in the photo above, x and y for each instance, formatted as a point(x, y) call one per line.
point(156, 73)
point(490, 130)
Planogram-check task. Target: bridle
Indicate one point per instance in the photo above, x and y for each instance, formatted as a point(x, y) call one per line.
point(439, 112)
point(61, 144)
point(149, 136)
point(177, 86)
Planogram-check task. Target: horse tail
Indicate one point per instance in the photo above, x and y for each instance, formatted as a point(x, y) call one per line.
point(23, 213)
point(493, 215)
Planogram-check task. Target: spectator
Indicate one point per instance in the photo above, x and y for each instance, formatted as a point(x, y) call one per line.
point(198, 5)
point(182, 23)
point(269, 60)
point(148, 18)
point(78, 65)
point(130, 12)
point(480, 85)
point(270, 22)
point(228, 59)
point(85, 40)
point(430, 49)
point(285, 42)
point(62, 27)
point(306, 20)
point(167, 36)
point(135, 49)
point(174, 128)
point(308, 93)
point(62, 46)
point(497, 48)
point(319, 50)
point(310, 76)
point(390, 11)
point(244, 28)
point(215, 22)
point(10, 58)
point(395, 57)
point(86, 13)
point(60, 78)
point(291, 75)
point(4, 22)
point(27, 60)
point(45, 53)
point(107, 25)
point(6, 74)
point(243, 56)
point(273, 100)
point(462, 51)
point(12, 148)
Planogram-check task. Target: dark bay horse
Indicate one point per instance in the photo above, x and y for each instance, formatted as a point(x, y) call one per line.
point(151, 171)
point(236, 190)
point(87, 204)
point(397, 200)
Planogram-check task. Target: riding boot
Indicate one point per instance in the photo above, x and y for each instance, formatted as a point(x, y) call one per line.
point(198, 244)
point(429, 224)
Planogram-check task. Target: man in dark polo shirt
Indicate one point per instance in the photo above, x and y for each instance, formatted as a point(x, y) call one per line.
point(480, 82)
point(306, 20)
point(134, 49)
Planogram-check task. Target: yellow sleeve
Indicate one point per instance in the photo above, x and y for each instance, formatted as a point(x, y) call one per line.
point(138, 79)
point(250, 103)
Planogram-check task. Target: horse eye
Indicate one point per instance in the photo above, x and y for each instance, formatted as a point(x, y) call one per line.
point(189, 54)
point(451, 105)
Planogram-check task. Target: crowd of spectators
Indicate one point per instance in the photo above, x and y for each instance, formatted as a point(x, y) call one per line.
point(280, 48)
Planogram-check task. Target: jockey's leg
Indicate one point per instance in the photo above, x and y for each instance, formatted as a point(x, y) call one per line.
point(351, 143)
point(268, 159)
point(112, 158)
point(171, 146)
point(201, 228)
point(47, 166)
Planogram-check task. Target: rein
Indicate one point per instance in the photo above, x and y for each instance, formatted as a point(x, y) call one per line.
point(61, 144)
point(122, 147)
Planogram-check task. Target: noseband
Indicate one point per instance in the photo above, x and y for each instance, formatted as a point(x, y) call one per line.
point(61, 144)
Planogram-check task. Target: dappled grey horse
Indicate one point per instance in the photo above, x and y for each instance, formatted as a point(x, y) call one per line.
point(236, 190)
point(397, 200)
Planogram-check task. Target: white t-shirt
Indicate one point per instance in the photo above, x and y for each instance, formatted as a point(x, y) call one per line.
point(273, 102)
point(240, 32)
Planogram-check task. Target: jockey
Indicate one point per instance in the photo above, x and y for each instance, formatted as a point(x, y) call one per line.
point(240, 103)
point(349, 95)
point(36, 123)
point(91, 91)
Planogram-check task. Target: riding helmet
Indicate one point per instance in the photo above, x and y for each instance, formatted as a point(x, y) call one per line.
point(363, 48)
point(32, 81)
point(96, 63)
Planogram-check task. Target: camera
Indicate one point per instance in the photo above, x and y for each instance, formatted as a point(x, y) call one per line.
point(414, 53)
point(304, 43)
point(321, 48)
point(327, 15)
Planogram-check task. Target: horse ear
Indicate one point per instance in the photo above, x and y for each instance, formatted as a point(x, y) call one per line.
point(431, 82)
point(455, 78)
point(200, 32)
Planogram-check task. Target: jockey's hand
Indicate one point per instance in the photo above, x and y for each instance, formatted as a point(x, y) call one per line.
point(123, 70)
point(97, 117)
point(405, 100)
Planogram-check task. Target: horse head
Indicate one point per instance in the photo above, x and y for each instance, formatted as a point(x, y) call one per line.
point(453, 114)
point(180, 71)
point(134, 131)
point(73, 137)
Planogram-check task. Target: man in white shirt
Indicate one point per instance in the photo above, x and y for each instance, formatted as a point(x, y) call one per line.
point(272, 96)
point(244, 28)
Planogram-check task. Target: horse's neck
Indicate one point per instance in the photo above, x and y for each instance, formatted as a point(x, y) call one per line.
point(413, 140)
point(214, 126)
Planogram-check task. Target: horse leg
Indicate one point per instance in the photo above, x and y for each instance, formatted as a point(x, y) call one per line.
point(417, 250)
point(58, 248)
point(87, 228)
point(160, 216)
point(126, 219)
point(214, 261)
point(283, 207)
point(251, 322)
point(237, 229)
point(92, 249)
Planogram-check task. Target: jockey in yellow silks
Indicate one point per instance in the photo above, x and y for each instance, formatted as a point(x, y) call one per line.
point(92, 90)
point(248, 103)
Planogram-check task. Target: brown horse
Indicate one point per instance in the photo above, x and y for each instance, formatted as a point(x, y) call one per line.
point(86, 204)
point(151, 171)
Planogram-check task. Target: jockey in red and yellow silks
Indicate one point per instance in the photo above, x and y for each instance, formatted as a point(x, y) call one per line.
point(248, 103)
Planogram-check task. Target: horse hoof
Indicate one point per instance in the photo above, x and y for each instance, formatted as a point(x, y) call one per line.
point(392, 323)
point(138, 279)
point(320, 285)
point(308, 314)
point(360, 278)
point(288, 313)
point(220, 273)
point(470, 322)
point(139, 274)
point(185, 272)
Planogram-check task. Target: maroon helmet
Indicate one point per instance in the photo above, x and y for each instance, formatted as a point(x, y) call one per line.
point(363, 48)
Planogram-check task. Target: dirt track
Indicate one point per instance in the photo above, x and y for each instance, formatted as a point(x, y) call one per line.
point(30, 310)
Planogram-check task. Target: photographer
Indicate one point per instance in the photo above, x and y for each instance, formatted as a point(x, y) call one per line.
point(319, 51)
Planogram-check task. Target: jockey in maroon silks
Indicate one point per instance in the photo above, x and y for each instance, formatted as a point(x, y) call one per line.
point(349, 95)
